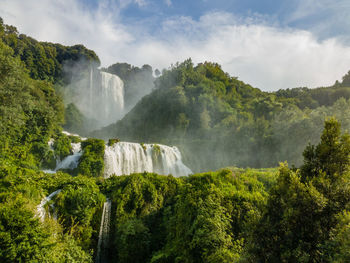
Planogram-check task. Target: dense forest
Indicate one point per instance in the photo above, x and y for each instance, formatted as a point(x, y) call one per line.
point(202, 109)
point(287, 214)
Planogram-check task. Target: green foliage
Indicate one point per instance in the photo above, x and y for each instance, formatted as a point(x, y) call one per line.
point(74, 139)
point(201, 109)
point(302, 222)
point(111, 142)
point(330, 156)
point(155, 151)
point(62, 146)
point(77, 204)
point(339, 244)
point(128, 249)
point(139, 202)
point(91, 163)
point(74, 119)
point(137, 81)
point(203, 218)
point(24, 239)
point(30, 112)
point(46, 61)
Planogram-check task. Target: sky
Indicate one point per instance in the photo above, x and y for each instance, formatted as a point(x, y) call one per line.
point(270, 44)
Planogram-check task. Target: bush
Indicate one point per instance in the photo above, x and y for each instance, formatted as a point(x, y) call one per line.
point(111, 142)
point(62, 146)
point(91, 163)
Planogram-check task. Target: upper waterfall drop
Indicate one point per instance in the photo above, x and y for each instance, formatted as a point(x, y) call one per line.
point(124, 158)
point(111, 97)
point(100, 97)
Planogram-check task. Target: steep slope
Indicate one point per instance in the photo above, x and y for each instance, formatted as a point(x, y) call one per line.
point(217, 120)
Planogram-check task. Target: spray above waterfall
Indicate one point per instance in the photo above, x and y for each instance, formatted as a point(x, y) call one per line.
point(99, 96)
point(103, 96)
point(106, 98)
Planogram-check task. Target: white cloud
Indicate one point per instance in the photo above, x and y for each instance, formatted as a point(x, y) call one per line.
point(141, 2)
point(266, 57)
point(168, 2)
point(323, 17)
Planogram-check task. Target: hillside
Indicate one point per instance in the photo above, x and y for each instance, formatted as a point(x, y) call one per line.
point(64, 198)
point(203, 110)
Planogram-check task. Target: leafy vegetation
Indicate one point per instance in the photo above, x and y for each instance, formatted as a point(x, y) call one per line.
point(111, 142)
point(201, 109)
point(137, 81)
point(75, 121)
point(195, 219)
point(91, 162)
point(308, 206)
point(30, 112)
point(46, 61)
point(62, 146)
point(231, 215)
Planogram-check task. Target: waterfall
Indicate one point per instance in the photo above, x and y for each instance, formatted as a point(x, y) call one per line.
point(124, 158)
point(103, 237)
point(99, 97)
point(91, 86)
point(69, 162)
point(41, 212)
point(112, 97)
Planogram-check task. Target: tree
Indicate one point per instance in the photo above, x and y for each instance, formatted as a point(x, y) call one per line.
point(303, 207)
point(330, 156)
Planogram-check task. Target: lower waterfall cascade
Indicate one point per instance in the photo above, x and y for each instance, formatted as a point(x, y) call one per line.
point(41, 212)
point(103, 237)
point(69, 162)
point(124, 158)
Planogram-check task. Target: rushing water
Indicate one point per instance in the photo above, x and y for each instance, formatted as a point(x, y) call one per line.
point(69, 162)
point(124, 158)
point(112, 98)
point(99, 97)
point(41, 212)
point(103, 237)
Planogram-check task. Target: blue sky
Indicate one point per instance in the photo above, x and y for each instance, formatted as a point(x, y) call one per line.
point(270, 44)
point(331, 15)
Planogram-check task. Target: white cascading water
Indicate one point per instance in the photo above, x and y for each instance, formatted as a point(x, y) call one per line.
point(124, 158)
point(103, 237)
point(100, 97)
point(91, 86)
point(41, 212)
point(111, 99)
point(69, 162)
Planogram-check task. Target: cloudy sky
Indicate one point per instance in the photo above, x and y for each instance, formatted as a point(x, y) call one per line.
point(270, 44)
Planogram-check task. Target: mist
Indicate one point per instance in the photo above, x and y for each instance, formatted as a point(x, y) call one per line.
point(218, 121)
point(101, 96)
point(263, 51)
